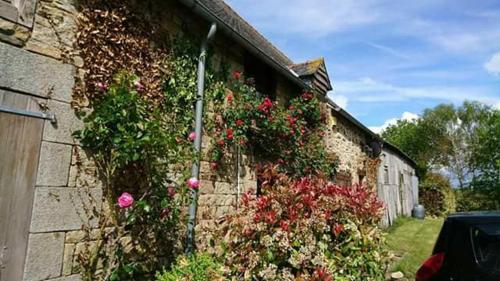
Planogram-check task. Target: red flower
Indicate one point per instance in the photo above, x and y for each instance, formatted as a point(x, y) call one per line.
point(257, 217)
point(291, 120)
point(214, 165)
point(321, 274)
point(237, 75)
point(265, 106)
point(229, 134)
point(262, 202)
point(338, 228)
point(229, 98)
point(221, 142)
point(307, 96)
point(271, 217)
point(284, 225)
point(240, 122)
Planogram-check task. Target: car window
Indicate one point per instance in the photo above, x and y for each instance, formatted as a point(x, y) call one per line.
point(486, 245)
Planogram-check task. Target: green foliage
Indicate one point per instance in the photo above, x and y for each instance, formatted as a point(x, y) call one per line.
point(122, 128)
point(436, 194)
point(486, 160)
point(181, 87)
point(136, 151)
point(197, 267)
point(463, 141)
point(469, 200)
point(444, 137)
point(413, 140)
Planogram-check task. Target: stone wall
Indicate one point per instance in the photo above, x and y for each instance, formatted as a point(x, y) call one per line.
point(346, 142)
point(42, 63)
point(59, 206)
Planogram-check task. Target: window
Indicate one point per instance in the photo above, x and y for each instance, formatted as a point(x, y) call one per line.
point(263, 76)
point(386, 174)
point(486, 245)
point(18, 11)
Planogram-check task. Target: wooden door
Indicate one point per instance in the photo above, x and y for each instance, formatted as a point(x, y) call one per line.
point(20, 139)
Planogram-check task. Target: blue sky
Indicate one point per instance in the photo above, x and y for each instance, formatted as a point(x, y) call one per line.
point(390, 59)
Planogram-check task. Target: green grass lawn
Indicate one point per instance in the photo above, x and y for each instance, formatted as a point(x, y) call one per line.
point(412, 240)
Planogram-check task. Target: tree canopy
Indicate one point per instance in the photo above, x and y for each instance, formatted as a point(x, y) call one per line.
point(461, 142)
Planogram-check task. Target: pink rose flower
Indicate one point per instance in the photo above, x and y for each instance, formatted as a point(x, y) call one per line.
point(125, 200)
point(139, 86)
point(192, 136)
point(193, 183)
point(101, 86)
point(171, 191)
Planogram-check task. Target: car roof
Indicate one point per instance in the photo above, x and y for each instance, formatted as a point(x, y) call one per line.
point(475, 217)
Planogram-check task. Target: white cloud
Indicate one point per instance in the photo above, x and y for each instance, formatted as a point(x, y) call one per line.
point(369, 90)
point(493, 65)
point(405, 116)
point(389, 50)
point(340, 100)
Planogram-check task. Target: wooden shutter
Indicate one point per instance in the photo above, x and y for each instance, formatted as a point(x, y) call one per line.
point(18, 11)
point(20, 140)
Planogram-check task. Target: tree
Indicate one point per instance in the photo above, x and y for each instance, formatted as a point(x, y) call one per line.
point(444, 139)
point(420, 139)
point(486, 158)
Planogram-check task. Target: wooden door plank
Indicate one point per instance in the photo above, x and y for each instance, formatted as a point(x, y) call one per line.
point(20, 139)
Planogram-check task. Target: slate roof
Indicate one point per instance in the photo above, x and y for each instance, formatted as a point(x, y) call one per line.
point(314, 73)
point(308, 67)
point(226, 14)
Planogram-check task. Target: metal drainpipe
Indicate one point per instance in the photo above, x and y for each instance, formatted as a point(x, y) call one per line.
point(195, 171)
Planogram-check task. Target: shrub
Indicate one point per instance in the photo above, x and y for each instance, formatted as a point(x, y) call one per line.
point(303, 229)
point(472, 200)
point(198, 267)
point(436, 194)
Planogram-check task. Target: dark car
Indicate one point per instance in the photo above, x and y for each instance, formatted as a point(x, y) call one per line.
point(467, 249)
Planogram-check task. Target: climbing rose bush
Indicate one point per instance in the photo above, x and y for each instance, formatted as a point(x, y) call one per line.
point(251, 121)
point(303, 229)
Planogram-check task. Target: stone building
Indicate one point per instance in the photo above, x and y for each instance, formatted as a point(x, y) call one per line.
point(47, 182)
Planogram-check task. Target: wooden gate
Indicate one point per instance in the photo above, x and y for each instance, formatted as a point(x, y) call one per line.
point(20, 140)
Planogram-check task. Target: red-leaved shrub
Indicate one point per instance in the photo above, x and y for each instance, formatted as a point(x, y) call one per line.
point(304, 229)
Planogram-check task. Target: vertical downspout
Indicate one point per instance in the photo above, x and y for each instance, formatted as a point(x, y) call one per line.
point(195, 171)
point(238, 174)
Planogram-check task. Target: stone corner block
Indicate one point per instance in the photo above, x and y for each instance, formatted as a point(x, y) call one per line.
point(67, 123)
point(53, 168)
point(44, 256)
point(36, 74)
point(83, 171)
point(62, 208)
